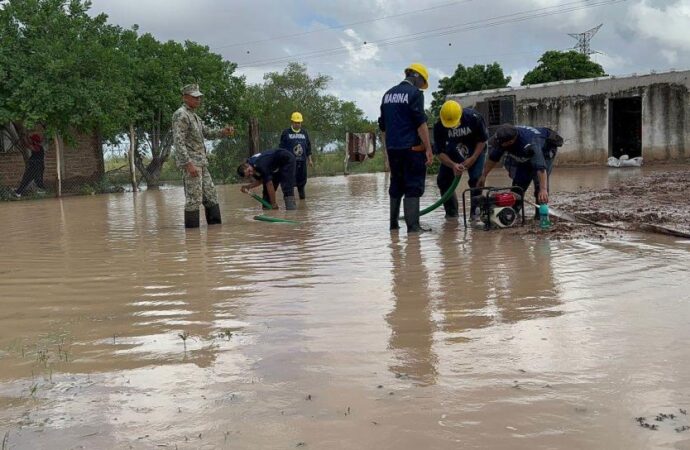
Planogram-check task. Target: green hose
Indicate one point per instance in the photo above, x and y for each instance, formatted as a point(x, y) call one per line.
point(264, 218)
point(444, 198)
point(261, 200)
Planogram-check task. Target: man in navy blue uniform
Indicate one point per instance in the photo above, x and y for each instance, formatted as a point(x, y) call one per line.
point(460, 137)
point(403, 123)
point(271, 168)
point(296, 139)
point(529, 154)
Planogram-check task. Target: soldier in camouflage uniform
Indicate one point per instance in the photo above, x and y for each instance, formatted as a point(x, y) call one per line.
point(189, 133)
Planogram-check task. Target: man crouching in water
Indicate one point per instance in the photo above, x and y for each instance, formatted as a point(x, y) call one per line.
point(272, 168)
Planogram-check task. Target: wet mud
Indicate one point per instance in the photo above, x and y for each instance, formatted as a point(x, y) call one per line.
point(653, 199)
point(119, 329)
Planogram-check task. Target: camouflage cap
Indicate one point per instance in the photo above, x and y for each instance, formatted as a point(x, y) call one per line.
point(192, 89)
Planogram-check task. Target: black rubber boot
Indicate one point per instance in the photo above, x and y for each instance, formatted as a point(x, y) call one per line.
point(395, 213)
point(213, 214)
point(290, 203)
point(411, 206)
point(302, 194)
point(191, 219)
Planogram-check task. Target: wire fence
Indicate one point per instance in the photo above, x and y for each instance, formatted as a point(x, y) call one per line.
point(85, 165)
point(32, 165)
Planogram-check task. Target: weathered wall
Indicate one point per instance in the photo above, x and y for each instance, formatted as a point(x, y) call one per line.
point(579, 110)
point(665, 122)
point(83, 161)
point(582, 121)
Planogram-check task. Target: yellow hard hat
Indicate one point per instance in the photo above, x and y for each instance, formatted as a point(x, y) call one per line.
point(296, 117)
point(451, 112)
point(420, 69)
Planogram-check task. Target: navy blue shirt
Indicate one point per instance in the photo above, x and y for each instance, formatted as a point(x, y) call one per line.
point(268, 162)
point(297, 142)
point(402, 112)
point(471, 131)
point(528, 148)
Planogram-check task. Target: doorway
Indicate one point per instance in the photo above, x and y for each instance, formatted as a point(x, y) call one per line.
point(625, 127)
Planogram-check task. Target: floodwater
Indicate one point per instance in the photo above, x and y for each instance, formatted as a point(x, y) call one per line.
point(119, 329)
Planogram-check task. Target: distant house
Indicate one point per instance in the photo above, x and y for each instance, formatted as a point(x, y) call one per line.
point(638, 115)
point(82, 160)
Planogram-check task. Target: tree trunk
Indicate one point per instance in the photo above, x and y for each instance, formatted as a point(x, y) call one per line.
point(58, 161)
point(153, 173)
point(253, 136)
point(132, 168)
point(160, 152)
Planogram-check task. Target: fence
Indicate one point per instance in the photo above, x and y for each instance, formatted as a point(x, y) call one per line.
point(83, 165)
point(43, 166)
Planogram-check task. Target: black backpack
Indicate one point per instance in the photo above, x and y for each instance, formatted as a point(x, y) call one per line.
point(554, 139)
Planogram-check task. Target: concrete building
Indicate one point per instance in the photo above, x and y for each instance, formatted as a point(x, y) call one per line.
point(638, 115)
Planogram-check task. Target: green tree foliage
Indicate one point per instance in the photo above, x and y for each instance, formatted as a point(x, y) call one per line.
point(68, 71)
point(468, 79)
point(557, 66)
point(59, 67)
point(272, 102)
point(158, 71)
point(295, 90)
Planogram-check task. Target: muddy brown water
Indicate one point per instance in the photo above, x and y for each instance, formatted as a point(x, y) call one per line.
point(118, 329)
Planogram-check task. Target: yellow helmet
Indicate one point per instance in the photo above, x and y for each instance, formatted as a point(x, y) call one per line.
point(451, 112)
point(296, 117)
point(420, 69)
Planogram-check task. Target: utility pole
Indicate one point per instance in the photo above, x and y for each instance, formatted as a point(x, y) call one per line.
point(583, 40)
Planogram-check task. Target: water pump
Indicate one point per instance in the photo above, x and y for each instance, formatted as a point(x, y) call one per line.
point(498, 207)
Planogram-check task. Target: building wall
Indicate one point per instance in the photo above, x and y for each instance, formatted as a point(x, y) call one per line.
point(579, 111)
point(83, 162)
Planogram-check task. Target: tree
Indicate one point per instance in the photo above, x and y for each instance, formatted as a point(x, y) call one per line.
point(326, 117)
point(68, 71)
point(60, 67)
point(467, 79)
point(295, 90)
point(158, 71)
point(557, 66)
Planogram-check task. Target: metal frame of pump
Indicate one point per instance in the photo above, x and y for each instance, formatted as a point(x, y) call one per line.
point(487, 200)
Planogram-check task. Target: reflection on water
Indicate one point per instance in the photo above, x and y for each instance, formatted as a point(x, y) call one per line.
point(412, 328)
point(119, 328)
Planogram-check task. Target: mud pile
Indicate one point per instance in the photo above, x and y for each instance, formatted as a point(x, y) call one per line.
point(660, 199)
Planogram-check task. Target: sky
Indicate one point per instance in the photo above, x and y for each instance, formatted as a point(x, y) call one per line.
point(364, 45)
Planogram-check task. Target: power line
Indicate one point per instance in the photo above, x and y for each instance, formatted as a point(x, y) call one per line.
point(443, 31)
point(339, 27)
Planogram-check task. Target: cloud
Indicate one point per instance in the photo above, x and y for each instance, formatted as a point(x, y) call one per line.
point(327, 36)
point(612, 64)
point(670, 55)
point(668, 25)
point(516, 76)
point(357, 50)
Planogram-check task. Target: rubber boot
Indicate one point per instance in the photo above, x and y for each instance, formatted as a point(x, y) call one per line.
point(411, 206)
point(302, 194)
point(213, 214)
point(290, 203)
point(191, 219)
point(395, 213)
